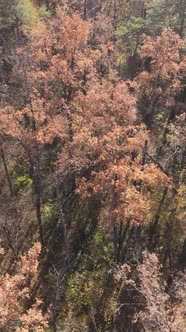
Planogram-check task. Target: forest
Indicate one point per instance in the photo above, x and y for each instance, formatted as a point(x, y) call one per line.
point(92, 165)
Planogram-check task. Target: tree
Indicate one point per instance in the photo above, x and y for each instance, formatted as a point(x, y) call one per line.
point(93, 118)
point(160, 81)
point(76, 133)
point(160, 313)
point(37, 125)
point(16, 291)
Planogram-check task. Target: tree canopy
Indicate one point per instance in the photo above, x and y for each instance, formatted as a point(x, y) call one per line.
point(92, 160)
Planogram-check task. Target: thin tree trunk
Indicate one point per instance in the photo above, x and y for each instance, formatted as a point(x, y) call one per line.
point(39, 220)
point(113, 217)
point(162, 140)
point(64, 224)
point(60, 276)
point(153, 233)
point(85, 10)
point(36, 193)
point(37, 201)
point(121, 238)
point(9, 241)
point(7, 172)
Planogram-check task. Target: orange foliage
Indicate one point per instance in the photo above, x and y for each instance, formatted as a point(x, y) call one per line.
point(92, 115)
point(162, 81)
point(15, 291)
point(160, 314)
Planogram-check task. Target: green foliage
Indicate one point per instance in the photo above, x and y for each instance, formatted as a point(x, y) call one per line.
point(102, 249)
point(43, 12)
point(26, 11)
point(20, 178)
point(159, 116)
point(20, 182)
point(28, 14)
point(156, 18)
point(86, 287)
point(160, 16)
point(169, 137)
point(88, 295)
point(79, 289)
point(48, 212)
point(130, 33)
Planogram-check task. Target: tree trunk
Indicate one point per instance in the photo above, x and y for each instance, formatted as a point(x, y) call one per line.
point(6, 171)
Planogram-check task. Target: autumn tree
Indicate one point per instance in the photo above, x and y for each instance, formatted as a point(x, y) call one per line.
point(88, 105)
point(79, 133)
point(92, 117)
point(16, 291)
point(161, 72)
point(161, 101)
point(162, 313)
